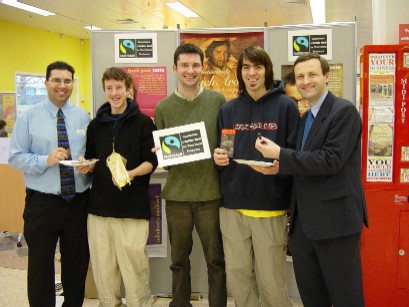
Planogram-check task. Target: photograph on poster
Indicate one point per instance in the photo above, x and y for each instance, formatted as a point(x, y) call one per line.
point(222, 51)
point(303, 41)
point(182, 144)
point(136, 48)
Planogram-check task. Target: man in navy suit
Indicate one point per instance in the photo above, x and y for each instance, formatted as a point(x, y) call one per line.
point(328, 205)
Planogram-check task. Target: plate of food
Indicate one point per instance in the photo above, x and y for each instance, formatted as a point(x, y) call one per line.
point(254, 162)
point(78, 162)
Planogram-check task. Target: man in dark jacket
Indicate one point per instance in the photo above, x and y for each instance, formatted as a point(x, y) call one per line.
point(253, 218)
point(118, 220)
point(328, 207)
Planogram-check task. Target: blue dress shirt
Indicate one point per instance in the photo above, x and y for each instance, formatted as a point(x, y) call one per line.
point(35, 136)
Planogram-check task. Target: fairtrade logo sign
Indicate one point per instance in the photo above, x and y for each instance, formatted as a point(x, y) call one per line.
point(136, 48)
point(301, 44)
point(127, 48)
point(182, 144)
point(171, 145)
point(317, 41)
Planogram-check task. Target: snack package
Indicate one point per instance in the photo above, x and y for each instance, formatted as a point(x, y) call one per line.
point(227, 141)
point(116, 164)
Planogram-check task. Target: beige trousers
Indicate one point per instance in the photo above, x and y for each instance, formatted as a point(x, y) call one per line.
point(117, 249)
point(255, 252)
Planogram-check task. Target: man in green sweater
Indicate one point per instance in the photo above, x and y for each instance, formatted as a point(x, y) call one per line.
point(192, 190)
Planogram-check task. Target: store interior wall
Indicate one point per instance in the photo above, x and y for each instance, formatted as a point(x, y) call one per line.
point(29, 50)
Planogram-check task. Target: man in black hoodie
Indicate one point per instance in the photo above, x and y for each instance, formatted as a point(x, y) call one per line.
point(253, 217)
point(118, 220)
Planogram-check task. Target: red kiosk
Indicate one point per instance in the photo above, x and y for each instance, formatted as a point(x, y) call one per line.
point(385, 172)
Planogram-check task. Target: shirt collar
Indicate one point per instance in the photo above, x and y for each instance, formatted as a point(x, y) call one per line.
point(53, 109)
point(183, 97)
point(316, 107)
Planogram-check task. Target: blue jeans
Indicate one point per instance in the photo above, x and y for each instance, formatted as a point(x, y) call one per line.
point(181, 218)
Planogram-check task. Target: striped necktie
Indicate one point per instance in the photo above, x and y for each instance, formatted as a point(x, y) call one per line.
point(66, 172)
point(307, 127)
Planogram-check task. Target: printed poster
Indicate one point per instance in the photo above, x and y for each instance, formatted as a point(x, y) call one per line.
point(182, 144)
point(222, 52)
point(151, 86)
point(8, 110)
point(157, 240)
point(381, 114)
point(136, 48)
point(304, 41)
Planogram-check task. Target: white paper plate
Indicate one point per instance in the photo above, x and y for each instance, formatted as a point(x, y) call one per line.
point(78, 163)
point(253, 162)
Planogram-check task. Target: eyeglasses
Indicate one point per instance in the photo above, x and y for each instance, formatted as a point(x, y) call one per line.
point(67, 82)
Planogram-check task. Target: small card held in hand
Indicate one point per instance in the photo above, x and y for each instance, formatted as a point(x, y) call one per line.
point(227, 141)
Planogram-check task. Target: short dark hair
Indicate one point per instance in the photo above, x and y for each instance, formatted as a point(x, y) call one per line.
point(118, 74)
point(289, 79)
point(257, 56)
point(309, 56)
point(214, 45)
point(186, 49)
point(3, 123)
point(59, 65)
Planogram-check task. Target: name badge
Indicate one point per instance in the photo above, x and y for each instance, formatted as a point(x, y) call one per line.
point(80, 132)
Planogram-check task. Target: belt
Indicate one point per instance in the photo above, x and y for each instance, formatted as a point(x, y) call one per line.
point(35, 192)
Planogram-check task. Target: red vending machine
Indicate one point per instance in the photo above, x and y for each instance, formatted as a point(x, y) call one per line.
point(384, 89)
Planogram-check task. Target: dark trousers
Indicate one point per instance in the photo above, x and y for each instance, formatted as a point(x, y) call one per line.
point(328, 272)
point(181, 218)
point(48, 218)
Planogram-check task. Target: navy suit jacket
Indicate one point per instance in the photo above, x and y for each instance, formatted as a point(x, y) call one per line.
point(327, 195)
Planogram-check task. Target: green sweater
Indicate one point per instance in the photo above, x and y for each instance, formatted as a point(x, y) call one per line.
point(200, 180)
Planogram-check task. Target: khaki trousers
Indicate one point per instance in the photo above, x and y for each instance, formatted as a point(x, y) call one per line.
point(117, 249)
point(255, 251)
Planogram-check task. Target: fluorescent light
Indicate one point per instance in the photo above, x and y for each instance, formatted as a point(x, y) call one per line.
point(318, 11)
point(92, 28)
point(182, 9)
point(27, 7)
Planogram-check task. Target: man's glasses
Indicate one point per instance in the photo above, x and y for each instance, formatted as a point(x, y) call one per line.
point(67, 82)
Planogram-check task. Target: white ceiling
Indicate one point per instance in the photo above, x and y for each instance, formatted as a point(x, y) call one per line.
point(72, 15)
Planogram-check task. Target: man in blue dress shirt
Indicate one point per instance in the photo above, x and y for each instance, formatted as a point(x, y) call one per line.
point(48, 217)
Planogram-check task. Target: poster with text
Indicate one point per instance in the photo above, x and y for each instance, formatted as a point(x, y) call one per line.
point(136, 48)
point(381, 114)
point(157, 239)
point(182, 144)
point(151, 86)
point(8, 110)
point(304, 41)
point(222, 51)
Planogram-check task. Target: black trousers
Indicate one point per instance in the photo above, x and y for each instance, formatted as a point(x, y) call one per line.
point(47, 218)
point(328, 272)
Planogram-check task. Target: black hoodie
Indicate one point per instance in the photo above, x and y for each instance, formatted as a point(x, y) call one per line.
point(276, 117)
point(131, 135)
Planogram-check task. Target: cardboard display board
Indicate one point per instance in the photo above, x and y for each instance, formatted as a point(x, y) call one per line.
point(104, 45)
point(338, 40)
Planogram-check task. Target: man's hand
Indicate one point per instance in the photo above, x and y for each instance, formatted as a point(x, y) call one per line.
point(220, 157)
point(268, 148)
point(267, 170)
point(85, 169)
point(57, 155)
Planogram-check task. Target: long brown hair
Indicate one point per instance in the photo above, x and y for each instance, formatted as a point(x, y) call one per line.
point(257, 56)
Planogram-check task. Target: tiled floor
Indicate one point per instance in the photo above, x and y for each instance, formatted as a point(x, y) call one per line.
point(13, 276)
point(14, 292)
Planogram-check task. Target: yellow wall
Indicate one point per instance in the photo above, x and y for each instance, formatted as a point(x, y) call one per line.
point(26, 49)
